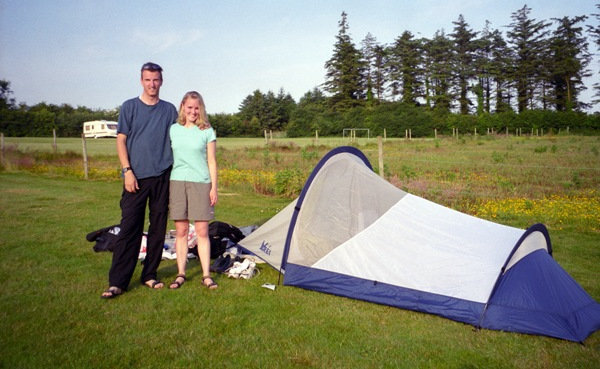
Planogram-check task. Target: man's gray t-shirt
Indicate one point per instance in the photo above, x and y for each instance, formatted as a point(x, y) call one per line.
point(147, 131)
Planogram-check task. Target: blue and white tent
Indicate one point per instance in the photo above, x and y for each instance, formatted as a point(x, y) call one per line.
point(351, 233)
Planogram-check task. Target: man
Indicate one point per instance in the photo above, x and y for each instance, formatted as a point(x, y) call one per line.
point(146, 158)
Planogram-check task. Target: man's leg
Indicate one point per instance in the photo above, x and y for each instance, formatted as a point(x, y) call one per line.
point(159, 209)
point(127, 247)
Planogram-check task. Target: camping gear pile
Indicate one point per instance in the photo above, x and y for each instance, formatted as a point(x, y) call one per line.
point(223, 238)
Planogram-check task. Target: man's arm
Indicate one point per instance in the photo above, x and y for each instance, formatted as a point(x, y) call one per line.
point(129, 181)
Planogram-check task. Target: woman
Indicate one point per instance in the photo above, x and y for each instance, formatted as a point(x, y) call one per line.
point(193, 186)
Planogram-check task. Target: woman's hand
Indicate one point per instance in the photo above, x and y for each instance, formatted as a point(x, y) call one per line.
point(213, 197)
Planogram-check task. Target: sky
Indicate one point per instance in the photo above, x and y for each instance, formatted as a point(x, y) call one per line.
point(89, 52)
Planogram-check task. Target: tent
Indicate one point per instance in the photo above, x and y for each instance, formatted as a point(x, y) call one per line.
point(351, 233)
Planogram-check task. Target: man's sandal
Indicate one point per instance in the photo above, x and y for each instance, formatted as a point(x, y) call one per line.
point(153, 283)
point(112, 292)
point(212, 285)
point(176, 284)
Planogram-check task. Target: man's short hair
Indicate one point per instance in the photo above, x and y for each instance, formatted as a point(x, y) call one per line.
point(152, 67)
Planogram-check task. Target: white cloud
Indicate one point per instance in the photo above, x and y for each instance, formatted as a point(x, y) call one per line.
point(165, 40)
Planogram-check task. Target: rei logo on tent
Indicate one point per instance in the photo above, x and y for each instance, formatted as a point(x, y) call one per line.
point(265, 247)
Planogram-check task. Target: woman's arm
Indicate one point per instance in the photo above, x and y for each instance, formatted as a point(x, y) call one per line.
point(211, 157)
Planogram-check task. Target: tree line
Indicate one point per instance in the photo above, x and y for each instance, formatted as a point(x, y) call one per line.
point(529, 77)
point(18, 120)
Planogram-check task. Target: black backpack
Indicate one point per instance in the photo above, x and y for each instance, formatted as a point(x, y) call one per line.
point(219, 233)
point(105, 238)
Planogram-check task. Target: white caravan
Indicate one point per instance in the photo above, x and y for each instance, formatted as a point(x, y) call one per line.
point(100, 128)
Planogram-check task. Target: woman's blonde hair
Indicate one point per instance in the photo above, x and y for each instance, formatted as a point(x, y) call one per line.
point(202, 121)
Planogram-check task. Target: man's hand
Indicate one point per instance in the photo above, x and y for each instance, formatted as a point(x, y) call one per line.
point(130, 182)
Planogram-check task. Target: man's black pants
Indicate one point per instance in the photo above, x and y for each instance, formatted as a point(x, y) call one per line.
point(155, 192)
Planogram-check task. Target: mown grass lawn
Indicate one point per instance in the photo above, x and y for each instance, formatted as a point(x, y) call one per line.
point(51, 314)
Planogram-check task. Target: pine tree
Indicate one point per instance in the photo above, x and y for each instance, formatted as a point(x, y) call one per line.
point(344, 78)
point(284, 107)
point(595, 33)
point(500, 68)
point(378, 76)
point(368, 49)
point(569, 58)
point(438, 67)
point(483, 67)
point(527, 37)
point(266, 111)
point(6, 101)
point(463, 57)
point(405, 64)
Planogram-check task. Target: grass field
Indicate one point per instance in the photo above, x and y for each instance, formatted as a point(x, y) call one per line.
point(52, 316)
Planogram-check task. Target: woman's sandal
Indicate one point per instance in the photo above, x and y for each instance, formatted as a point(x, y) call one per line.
point(212, 285)
point(176, 284)
point(153, 283)
point(111, 292)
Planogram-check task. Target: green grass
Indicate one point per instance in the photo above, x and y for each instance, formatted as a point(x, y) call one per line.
point(108, 145)
point(51, 314)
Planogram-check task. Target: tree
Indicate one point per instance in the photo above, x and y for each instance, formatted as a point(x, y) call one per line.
point(344, 78)
point(483, 66)
point(260, 111)
point(569, 56)
point(527, 37)
point(374, 56)
point(595, 33)
point(308, 115)
point(464, 55)
point(252, 105)
point(369, 43)
point(501, 68)
point(6, 102)
point(438, 67)
point(378, 75)
point(405, 65)
point(284, 107)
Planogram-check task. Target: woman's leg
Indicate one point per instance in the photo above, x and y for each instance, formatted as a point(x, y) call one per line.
point(181, 249)
point(204, 251)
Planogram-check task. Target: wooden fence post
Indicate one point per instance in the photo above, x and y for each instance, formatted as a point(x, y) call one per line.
point(380, 147)
point(85, 160)
point(54, 148)
point(1, 148)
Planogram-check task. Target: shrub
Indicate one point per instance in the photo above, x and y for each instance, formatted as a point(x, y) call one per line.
point(289, 182)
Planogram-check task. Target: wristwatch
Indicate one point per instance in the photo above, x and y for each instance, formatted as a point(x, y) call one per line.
point(125, 170)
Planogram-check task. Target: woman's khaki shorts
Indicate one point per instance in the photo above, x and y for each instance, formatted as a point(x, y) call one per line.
point(190, 200)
